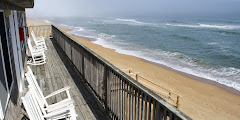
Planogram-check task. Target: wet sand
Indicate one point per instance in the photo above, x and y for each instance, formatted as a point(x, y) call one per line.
point(200, 98)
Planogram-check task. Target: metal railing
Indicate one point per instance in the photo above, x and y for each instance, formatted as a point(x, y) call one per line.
point(122, 97)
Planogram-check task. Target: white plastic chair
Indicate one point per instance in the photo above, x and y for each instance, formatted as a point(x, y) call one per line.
point(35, 48)
point(35, 113)
point(39, 41)
point(38, 56)
point(42, 100)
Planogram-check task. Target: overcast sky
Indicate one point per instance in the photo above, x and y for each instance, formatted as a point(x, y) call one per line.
point(132, 7)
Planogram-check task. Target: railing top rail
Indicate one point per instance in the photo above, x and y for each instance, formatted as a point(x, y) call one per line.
point(136, 84)
point(39, 25)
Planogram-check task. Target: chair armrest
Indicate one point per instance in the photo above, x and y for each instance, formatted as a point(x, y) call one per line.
point(59, 105)
point(39, 43)
point(38, 51)
point(59, 112)
point(38, 48)
point(58, 91)
point(41, 38)
point(38, 54)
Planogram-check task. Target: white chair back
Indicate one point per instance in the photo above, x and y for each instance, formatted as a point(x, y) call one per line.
point(32, 107)
point(35, 88)
point(30, 45)
point(39, 102)
point(64, 109)
point(33, 35)
point(39, 41)
point(38, 56)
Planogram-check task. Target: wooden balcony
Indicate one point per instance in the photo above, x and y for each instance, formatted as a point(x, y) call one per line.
point(57, 73)
point(99, 89)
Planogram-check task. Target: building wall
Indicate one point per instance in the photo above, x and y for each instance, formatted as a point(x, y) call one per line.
point(13, 110)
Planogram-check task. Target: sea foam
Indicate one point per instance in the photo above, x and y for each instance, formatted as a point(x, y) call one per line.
point(46, 21)
point(135, 22)
point(130, 20)
point(222, 75)
point(199, 25)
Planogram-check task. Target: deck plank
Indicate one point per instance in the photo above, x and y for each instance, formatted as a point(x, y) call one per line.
point(57, 73)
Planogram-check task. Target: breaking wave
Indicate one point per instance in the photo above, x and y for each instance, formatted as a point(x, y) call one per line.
point(130, 20)
point(205, 26)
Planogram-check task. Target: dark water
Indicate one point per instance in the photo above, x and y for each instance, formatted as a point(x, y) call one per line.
point(205, 47)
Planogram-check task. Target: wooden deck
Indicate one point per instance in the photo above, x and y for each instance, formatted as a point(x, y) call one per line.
point(57, 73)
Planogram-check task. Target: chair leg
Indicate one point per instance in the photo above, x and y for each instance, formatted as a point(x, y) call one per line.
point(25, 118)
point(73, 114)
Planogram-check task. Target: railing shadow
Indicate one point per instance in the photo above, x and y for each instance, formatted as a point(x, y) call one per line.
point(93, 103)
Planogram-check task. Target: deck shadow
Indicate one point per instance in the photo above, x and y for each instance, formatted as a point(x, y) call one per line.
point(93, 103)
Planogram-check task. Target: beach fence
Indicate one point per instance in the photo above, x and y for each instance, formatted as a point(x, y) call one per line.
point(121, 96)
point(168, 95)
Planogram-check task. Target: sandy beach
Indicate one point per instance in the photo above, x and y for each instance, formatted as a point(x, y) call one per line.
point(200, 99)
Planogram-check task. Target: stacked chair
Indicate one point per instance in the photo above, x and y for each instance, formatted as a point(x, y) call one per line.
point(34, 101)
point(38, 56)
point(39, 41)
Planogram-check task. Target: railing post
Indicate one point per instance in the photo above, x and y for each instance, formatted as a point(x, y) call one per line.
point(177, 101)
point(63, 42)
point(137, 77)
point(170, 94)
point(83, 72)
point(106, 88)
point(71, 47)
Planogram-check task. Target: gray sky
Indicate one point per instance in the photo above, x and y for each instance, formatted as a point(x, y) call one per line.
point(132, 7)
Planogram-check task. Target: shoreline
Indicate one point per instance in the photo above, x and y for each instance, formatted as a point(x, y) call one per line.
point(201, 98)
point(202, 79)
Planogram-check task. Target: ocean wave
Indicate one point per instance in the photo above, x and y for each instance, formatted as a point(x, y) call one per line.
point(80, 29)
point(228, 76)
point(184, 37)
point(135, 22)
point(228, 32)
point(103, 35)
point(66, 26)
point(88, 33)
point(183, 25)
point(199, 25)
point(63, 25)
point(220, 26)
point(46, 21)
point(232, 21)
point(130, 20)
point(81, 32)
point(213, 43)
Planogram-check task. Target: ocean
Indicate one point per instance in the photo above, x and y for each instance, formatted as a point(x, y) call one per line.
point(207, 47)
